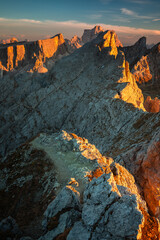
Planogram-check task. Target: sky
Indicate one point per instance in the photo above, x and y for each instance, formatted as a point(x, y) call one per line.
point(37, 19)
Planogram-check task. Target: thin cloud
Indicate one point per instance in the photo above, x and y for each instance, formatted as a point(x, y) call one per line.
point(19, 20)
point(156, 20)
point(128, 12)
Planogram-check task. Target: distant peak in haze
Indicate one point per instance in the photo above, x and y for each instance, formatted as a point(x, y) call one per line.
point(10, 40)
point(90, 34)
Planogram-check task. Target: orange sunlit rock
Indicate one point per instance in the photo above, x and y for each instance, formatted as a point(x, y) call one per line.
point(142, 71)
point(131, 93)
point(10, 55)
point(110, 39)
point(148, 67)
point(152, 105)
point(20, 54)
point(151, 228)
point(15, 55)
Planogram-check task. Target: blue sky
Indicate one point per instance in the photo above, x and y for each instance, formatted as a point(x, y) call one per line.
point(39, 19)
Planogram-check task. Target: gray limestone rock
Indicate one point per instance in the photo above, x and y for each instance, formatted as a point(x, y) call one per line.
point(66, 221)
point(79, 232)
point(98, 196)
point(65, 201)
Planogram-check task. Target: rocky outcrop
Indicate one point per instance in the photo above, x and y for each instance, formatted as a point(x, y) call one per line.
point(52, 164)
point(134, 53)
point(34, 54)
point(104, 209)
point(111, 200)
point(148, 67)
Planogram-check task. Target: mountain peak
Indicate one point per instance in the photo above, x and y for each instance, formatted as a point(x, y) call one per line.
point(90, 34)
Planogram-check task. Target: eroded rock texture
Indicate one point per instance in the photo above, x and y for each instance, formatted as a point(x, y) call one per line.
point(108, 200)
point(68, 100)
point(91, 93)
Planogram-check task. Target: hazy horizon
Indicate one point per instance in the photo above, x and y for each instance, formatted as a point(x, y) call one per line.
point(131, 19)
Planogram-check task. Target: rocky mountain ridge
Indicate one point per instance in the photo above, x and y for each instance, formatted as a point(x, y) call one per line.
point(85, 190)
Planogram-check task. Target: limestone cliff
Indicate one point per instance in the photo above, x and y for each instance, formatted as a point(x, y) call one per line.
point(34, 54)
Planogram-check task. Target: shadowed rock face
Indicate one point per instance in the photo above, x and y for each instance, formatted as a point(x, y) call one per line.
point(135, 52)
point(19, 54)
point(68, 99)
point(90, 34)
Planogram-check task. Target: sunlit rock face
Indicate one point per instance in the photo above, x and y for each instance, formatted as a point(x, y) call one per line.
point(16, 55)
point(147, 69)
